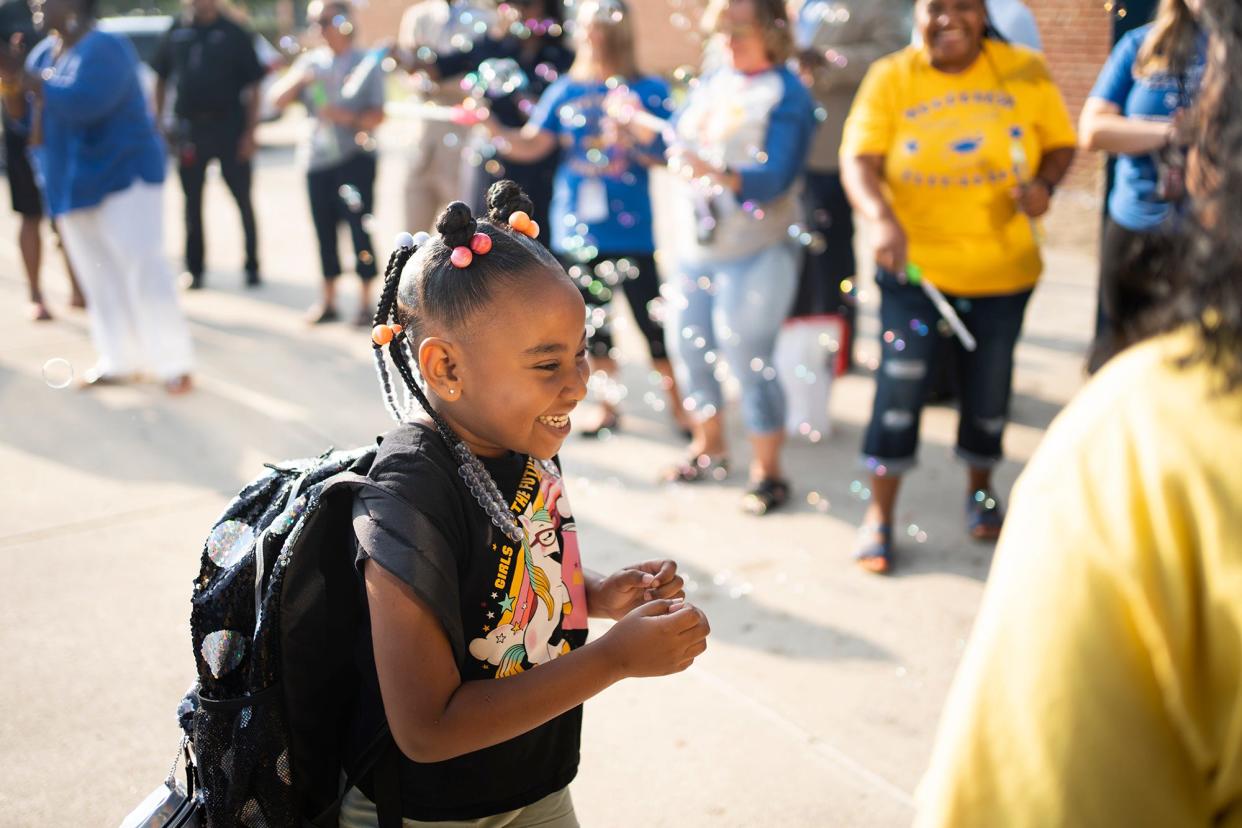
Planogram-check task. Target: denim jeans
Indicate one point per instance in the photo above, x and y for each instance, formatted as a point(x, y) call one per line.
point(731, 311)
point(910, 321)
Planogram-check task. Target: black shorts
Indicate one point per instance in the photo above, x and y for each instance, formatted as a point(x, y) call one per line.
point(598, 279)
point(23, 191)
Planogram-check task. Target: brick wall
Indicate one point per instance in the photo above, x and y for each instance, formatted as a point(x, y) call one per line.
point(1077, 38)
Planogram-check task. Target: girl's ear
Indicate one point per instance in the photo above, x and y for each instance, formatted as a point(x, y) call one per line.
point(437, 362)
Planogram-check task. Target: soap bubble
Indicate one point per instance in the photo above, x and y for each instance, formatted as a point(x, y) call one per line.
point(352, 198)
point(57, 373)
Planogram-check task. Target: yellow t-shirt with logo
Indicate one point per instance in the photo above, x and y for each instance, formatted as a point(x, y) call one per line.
point(1103, 682)
point(955, 146)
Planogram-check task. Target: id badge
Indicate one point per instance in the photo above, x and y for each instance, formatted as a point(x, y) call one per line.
point(592, 201)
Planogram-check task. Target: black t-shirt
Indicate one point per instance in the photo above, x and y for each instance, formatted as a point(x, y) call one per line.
point(504, 608)
point(211, 65)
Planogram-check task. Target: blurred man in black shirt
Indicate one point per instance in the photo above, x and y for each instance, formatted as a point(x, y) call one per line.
point(211, 62)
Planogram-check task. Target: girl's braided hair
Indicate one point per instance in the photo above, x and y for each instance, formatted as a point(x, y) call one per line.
point(432, 290)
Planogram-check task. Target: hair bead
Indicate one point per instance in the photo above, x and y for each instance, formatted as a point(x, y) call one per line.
point(481, 244)
point(404, 240)
point(461, 257)
point(519, 220)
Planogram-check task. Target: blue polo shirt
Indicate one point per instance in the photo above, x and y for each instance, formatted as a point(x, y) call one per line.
point(1133, 202)
point(98, 134)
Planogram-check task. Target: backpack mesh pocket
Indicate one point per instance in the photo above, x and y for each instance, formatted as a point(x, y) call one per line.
point(250, 785)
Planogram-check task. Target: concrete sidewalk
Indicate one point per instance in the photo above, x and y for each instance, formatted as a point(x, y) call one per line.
point(815, 704)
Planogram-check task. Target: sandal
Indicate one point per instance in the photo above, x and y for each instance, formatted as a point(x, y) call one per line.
point(610, 423)
point(875, 555)
point(984, 516)
point(179, 385)
point(321, 314)
point(766, 495)
point(695, 469)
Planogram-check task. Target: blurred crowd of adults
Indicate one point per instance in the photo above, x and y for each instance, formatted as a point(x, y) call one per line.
point(949, 139)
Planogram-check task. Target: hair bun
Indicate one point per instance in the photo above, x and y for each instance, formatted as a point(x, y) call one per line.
point(504, 198)
point(456, 225)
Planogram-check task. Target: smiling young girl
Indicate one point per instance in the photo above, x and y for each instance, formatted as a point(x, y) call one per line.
point(478, 599)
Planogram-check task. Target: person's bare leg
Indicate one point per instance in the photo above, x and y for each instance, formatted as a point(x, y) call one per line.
point(366, 308)
point(883, 500)
point(676, 408)
point(709, 437)
point(32, 256)
point(325, 310)
point(979, 479)
point(607, 413)
point(77, 299)
point(765, 462)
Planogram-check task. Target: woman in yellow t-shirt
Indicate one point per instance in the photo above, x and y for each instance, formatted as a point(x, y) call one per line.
point(1103, 682)
point(951, 151)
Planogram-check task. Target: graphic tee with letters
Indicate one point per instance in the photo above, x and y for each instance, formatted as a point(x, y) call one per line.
point(504, 607)
point(955, 146)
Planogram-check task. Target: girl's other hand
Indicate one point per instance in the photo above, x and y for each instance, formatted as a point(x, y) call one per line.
point(889, 246)
point(659, 638)
point(633, 586)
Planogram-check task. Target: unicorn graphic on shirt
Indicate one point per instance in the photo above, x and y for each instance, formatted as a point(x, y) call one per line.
point(546, 595)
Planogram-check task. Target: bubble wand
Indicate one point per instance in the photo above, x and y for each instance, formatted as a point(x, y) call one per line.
point(915, 274)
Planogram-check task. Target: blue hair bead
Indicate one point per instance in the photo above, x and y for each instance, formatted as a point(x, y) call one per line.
point(421, 238)
point(404, 240)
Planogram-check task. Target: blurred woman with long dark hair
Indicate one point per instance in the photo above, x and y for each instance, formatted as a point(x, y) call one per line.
point(1103, 681)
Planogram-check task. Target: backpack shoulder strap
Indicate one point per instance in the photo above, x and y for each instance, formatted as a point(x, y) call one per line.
point(380, 758)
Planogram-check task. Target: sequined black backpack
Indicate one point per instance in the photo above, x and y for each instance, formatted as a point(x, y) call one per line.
point(276, 612)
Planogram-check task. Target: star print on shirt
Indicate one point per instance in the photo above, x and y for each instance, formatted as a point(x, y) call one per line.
point(494, 595)
point(507, 603)
point(491, 615)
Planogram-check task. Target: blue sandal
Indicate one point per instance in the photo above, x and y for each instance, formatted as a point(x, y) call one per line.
point(984, 516)
point(875, 555)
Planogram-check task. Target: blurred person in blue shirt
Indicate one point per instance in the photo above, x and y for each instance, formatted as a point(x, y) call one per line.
point(100, 164)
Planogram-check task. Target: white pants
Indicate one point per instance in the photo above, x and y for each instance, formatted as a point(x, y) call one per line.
point(117, 252)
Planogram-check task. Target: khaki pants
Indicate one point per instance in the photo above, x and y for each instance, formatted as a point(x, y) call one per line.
point(434, 175)
point(553, 811)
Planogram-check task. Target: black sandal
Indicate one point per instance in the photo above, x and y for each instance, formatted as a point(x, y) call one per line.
point(766, 495)
point(696, 469)
point(610, 423)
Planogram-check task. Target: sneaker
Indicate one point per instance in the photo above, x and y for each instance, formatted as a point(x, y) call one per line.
point(253, 279)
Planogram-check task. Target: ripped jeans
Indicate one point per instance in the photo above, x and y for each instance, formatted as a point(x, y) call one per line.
point(908, 343)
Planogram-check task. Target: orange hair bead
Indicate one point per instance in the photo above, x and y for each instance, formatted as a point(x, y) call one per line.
point(519, 220)
point(381, 334)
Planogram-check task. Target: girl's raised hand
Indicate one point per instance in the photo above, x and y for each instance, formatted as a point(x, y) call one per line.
point(660, 637)
point(633, 586)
